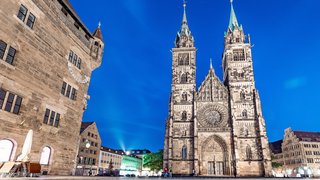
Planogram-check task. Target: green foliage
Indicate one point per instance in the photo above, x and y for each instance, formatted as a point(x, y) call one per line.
point(276, 165)
point(153, 161)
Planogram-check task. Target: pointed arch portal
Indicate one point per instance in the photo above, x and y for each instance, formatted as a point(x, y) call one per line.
point(214, 160)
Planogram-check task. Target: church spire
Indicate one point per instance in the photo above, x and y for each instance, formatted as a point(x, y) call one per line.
point(233, 18)
point(184, 19)
point(184, 36)
point(211, 67)
point(97, 33)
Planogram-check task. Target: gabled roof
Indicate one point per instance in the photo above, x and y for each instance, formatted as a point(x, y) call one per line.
point(85, 125)
point(211, 83)
point(307, 136)
point(276, 147)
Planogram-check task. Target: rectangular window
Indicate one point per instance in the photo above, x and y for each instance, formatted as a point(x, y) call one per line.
point(73, 94)
point(68, 91)
point(46, 116)
point(17, 105)
point(79, 63)
point(71, 56)
point(64, 11)
point(56, 122)
point(22, 13)
point(52, 118)
point(63, 89)
point(3, 47)
point(75, 59)
point(76, 25)
point(9, 102)
point(31, 20)
point(11, 54)
point(2, 97)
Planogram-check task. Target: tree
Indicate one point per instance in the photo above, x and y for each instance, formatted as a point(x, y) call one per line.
point(276, 164)
point(153, 161)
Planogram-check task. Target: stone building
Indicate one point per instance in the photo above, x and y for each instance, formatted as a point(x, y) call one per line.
point(89, 149)
point(109, 160)
point(299, 154)
point(47, 56)
point(217, 129)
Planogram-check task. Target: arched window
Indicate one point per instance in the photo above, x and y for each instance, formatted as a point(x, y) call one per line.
point(184, 152)
point(184, 115)
point(45, 155)
point(186, 62)
point(6, 148)
point(180, 61)
point(242, 95)
point(184, 78)
point(244, 114)
point(184, 96)
point(248, 152)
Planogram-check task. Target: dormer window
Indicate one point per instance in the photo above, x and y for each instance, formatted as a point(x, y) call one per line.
point(76, 25)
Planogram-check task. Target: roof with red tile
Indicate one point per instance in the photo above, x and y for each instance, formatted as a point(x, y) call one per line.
point(308, 136)
point(97, 33)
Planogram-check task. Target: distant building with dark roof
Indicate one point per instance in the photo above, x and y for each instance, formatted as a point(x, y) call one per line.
point(109, 160)
point(298, 153)
point(89, 149)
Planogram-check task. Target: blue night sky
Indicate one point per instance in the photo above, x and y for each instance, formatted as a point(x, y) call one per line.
point(130, 91)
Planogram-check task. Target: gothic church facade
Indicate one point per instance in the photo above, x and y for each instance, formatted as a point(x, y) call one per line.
point(217, 129)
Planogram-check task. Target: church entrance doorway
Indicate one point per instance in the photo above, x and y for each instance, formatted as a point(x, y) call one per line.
point(215, 168)
point(214, 157)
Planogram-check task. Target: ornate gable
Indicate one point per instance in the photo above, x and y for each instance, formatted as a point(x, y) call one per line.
point(212, 89)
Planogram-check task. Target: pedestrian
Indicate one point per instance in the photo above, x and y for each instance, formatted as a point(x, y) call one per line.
point(90, 172)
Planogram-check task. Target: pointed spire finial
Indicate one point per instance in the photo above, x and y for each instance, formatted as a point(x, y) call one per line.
point(233, 19)
point(99, 24)
point(211, 67)
point(184, 11)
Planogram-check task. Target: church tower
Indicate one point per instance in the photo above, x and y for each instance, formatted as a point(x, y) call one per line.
point(251, 152)
point(179, 147)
